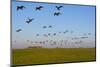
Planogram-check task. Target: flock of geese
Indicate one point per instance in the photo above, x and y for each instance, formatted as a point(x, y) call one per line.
point(29, 20)
point(51, 42)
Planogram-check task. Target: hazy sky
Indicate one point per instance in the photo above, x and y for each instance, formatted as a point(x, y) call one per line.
point(77, 18)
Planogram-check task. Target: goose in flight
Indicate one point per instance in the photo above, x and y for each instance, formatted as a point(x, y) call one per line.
point(29, 20)
point(59, 7)
point(57, 13)
point(20, 7)
point(39, 8)
point(18, 30)
point(44, 26)
point(50, 27)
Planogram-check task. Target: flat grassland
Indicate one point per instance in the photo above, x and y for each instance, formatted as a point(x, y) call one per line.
point(52, 55)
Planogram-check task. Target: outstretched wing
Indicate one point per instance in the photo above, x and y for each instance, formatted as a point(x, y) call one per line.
point(60, 6)
point(18, 30)
point(17, 8)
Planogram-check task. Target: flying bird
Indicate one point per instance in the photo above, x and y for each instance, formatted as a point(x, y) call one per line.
point(47, 40)
point(44, 26)
point(85, 34)
point(15, 41)
point(27, 40)
point(59, 32)
point(40, 42)
point(59, 7)
point(29, 20)
point(54, 34)
point(18, 30)
point(31, 42)
point(20, 7)
point(39, 8)
point(54, 43)
point(66, 31)
point(83, 37)
point(50, 27)
point(72, 32)
point(37, 34)
point(36, 42)
point(49, 34)
point(57, 13)
point(89, 33)
point(78, 42)
point(45, 35)
point(75, 38)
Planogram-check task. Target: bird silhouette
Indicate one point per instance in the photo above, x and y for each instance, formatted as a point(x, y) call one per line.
point(72, 32)
point(57, 13)
point(15, 41)
point(89, 33)
point(47, 40)
point(50, 27)
point(39, 8)
point(27, 40)
point(29, 20)
point(54, 42)
point(83, 37)
point(18, 30)
point(59, 7)
point(59, 32)
point(66, 31)
point(84, 34)
point(37, 34)
point(20, 7)
point(40, 42)
point(49, 34)
point(44, 26)
point(54, 34)
point(45, 35)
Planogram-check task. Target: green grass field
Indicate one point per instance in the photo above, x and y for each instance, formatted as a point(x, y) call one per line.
point(51, 55)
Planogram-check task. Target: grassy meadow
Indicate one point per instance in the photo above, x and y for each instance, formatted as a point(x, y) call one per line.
point(51, 55)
